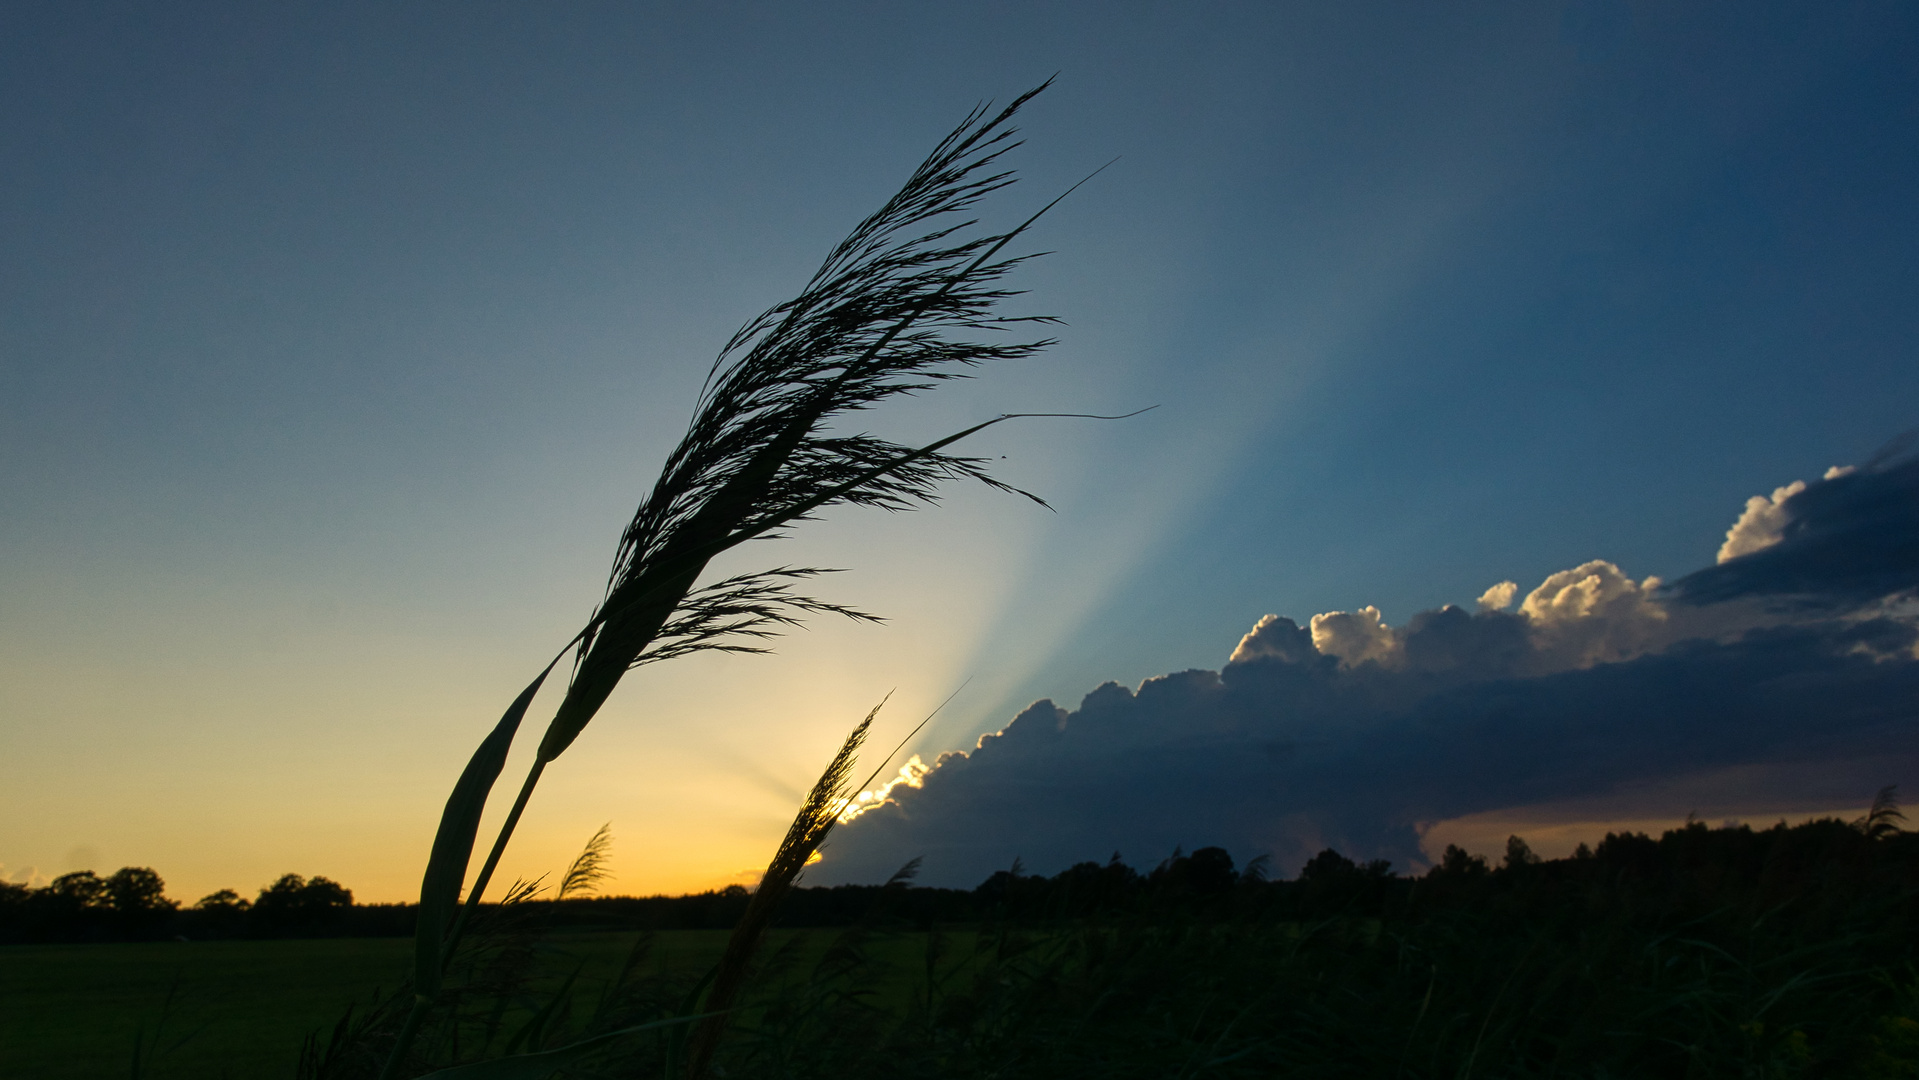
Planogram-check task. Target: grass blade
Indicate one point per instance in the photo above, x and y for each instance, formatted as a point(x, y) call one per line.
point(453, 844)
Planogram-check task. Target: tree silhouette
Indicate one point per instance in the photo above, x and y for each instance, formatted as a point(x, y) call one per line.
point(1206, 872)
point(78, 890)
point(223, 900)
point(134, 889)
point(301, 906)
point(137, 901)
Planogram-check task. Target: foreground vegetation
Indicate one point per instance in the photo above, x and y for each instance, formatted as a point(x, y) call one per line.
point(1705, 953)
point(1729, 952)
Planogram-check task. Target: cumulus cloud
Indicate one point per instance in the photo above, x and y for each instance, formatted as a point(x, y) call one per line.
point(1499, 597)
point(1764, 522)
point(1594, 614)
point(1848, 539)
point(1356, 637)
point(1276, 638)
point(1761, 526)
point(911, 775)
point(1353, 733)
point(1590, 614)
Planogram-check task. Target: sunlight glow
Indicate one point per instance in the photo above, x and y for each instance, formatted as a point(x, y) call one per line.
point(912, 774)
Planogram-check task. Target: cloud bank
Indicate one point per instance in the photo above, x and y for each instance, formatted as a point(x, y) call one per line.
point(1787, 674)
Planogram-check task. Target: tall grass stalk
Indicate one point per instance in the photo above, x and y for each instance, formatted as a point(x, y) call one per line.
point(898, 306)
point(817, 815)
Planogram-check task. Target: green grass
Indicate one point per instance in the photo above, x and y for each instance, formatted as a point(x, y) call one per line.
point(1342, 997)
point(239, 1009)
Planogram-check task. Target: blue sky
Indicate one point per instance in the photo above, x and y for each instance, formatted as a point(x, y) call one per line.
point(337, 342)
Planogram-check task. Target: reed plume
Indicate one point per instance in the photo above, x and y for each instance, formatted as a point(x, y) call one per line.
point(876, 321)
point(903, 303)
point(1883, 819)
point(589, 866)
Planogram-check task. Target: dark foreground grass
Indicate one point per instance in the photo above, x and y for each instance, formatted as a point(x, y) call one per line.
point(1733, 952)
point(217, 1008)
point(238, 1009)
point(1347, 996)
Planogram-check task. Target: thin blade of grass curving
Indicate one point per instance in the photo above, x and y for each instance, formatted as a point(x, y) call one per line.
point(453, 843)
point(446, 867)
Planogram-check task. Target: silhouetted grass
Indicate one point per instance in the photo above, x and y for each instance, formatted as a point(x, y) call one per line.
point(907, 300)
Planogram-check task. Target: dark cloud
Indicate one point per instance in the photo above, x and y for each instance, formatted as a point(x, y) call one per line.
point(1355, 734)
point(1847, 539)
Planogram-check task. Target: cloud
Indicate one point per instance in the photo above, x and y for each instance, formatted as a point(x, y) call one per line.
point(1762, 525)
point(1356, 637)
point(1356, 734)
point(1594, 614)
point(29, 876)
point(1499, 597)
point(1764, 522)
point(1848, 539)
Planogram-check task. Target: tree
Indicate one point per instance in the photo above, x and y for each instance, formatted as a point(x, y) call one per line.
point(325, 894)
point(1328, 865)
point(79, 890)
point(1519, 854)
point(1458, 862)
point(1206, 872)
point(223, 900)
point(298, 905)
point(136, 889)
point(137, 903)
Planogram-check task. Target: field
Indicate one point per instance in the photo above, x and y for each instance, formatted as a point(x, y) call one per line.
point(1483, 994)
point(1731, 952)
point(233, 1009)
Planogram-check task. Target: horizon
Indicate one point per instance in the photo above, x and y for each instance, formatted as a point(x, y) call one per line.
point(1490, 853)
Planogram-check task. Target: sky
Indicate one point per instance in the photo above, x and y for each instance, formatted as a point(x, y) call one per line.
point(338, 343)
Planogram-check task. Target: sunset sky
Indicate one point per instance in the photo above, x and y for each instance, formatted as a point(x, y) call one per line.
point(339, 341)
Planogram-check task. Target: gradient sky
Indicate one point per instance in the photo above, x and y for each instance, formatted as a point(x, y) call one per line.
point(338, 341)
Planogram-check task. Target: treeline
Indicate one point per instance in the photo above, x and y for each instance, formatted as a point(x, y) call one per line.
point(131, 904)
point(1815, 874)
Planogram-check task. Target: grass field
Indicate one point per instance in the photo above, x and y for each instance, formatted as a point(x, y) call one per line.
point(234, 1010)
point(1478, 990)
